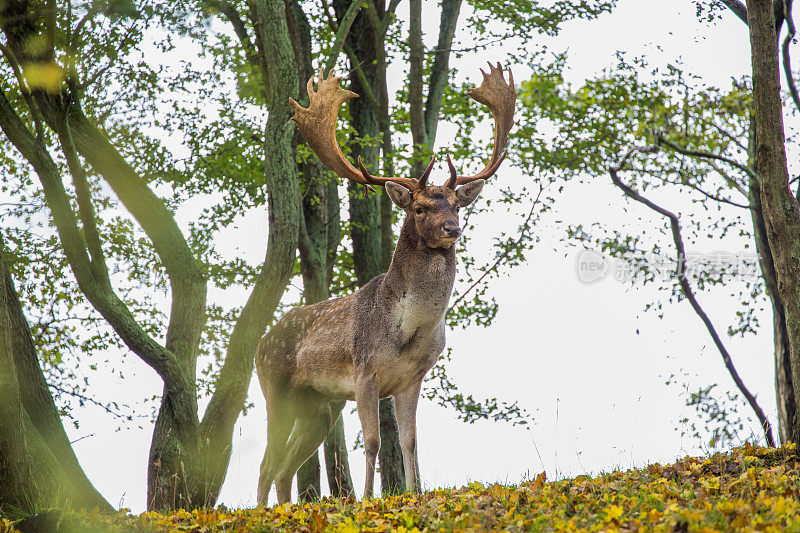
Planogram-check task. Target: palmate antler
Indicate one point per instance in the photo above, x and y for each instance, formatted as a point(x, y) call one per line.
point(500, 97)
point(317, 123)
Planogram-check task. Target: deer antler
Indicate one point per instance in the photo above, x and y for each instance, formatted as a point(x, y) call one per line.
point(317, 123)
point(500, 97)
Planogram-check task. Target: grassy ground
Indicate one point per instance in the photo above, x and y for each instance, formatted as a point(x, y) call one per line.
point(748, 489)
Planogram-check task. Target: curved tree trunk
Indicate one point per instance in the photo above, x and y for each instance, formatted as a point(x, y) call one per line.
point(784, 391)
point(38, 467)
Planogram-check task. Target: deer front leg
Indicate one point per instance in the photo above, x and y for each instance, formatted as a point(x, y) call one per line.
point(367, 404)
point(280, 420)
point(405, 405)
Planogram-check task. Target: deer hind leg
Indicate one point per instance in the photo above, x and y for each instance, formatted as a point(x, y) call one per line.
point(367, 403)
point(310, 430)
point(405, 404)
point(280, 419)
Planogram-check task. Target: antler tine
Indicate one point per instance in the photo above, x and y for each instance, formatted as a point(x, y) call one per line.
point(501, 98)
point(451, 183)
point(408, 183)
point(317, 123)
point(424, 178)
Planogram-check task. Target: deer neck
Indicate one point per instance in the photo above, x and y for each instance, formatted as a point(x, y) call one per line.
point(419, 271)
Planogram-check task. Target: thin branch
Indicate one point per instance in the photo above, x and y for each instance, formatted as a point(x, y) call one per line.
point(23, 88)
point(660, 139)
point(81, 438)
point(43, 326)
point(441, 69)
point(81, 23)
point(729, 180)
point(367, 91)
point(792, 181)
point(730, 136)
point(388, 16)
point(341, 33)
point(362, 77)
point(787, 60)
point(680, 272)
point(70, 36)
point(229, 12)
point(502, 257)
point(86, 399)
point(718, 198)
point(91, 79)
point(738, 8)
point(380, 25)
point(329, 17)
point(51, 14)
point(479, 46)
point(715, 197)
point(27, 204)
point(83, 195)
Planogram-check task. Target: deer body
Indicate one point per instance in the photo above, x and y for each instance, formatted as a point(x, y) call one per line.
point(385, 336)
point(381, 340)
point(392, 325)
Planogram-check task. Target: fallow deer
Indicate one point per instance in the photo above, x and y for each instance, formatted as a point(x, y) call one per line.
point(381, 340)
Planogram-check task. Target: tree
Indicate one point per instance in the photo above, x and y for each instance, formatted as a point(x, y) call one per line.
point(781, 212)
point(784, 388)
point(188, 455)
point(706, 144)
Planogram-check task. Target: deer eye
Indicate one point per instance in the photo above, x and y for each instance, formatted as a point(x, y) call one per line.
point(419, 210)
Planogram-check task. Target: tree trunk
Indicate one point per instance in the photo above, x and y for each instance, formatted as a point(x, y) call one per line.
point(784, 392)
point(319, 238)
point(369, 241)
point(393, 477)
point(38, 467)
point(309, 486)
point(313, 256)
point(780, 208)
point(337, 463)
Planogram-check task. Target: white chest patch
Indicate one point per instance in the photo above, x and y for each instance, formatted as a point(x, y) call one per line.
point(437, 266)
point(416, 312)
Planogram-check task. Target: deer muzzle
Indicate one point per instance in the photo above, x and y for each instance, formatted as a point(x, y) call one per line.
point(451, 230)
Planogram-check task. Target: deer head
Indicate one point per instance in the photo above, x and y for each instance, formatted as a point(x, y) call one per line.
point(434, 208)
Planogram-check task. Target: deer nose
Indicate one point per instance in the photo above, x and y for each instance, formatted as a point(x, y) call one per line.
point(451, 229)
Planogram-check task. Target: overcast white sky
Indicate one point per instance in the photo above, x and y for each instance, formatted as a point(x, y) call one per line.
point(585, 360)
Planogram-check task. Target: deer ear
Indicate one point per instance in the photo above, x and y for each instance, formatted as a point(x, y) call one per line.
point(399, 194)
point(467, 193)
